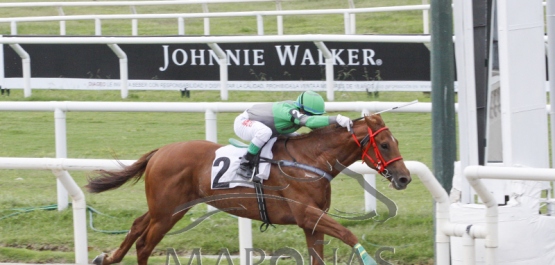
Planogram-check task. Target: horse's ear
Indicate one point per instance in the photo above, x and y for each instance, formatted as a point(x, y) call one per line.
point(374, 120)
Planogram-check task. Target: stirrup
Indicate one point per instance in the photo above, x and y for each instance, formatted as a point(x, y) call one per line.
point(246, 173)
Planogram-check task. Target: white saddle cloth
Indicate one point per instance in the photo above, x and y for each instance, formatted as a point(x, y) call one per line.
point(226, 163)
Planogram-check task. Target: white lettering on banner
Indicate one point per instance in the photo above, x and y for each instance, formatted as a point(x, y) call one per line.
point(307, 56)
point(97, 84)
point(287, 55)
point(321, 60)
point(165, 48)
point(106, 84)
point(213, 57)
point(353, 55)
point(232, 57)
point(258, 57)
point(137, 84)
point(336, 58)
point(246, 52)
point(174, 57)
point(368, 55)
point(180, 57)
point(194, 57)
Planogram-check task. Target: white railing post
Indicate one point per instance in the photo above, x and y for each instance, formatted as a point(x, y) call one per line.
point(468, 243)
point(134, 27)
point(224, 95)
point(260, 24)
point(279, 18)
point(123, 70)
point(206, 19)
point(62, 22)
point(370, 182)
point(211, 133)
point(329, 69)
point(211, 129)
point(26, 65)
point(222, 60)
point(180, 26)
point(79, 216)
point(425, 19)
point(353, 23)
point(134, 22)
point(97, 27)
point(369, 198)
point(347, 23)
point(13, 27)
point(245, 240)
point(61, 152)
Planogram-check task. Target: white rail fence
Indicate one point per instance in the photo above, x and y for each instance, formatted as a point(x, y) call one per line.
point(131, 4)
point(208, 108)
point(445, 229)
point(61, 164)
point(211, 41)
point(60, 168)
point(127, 3)
point(349, 15)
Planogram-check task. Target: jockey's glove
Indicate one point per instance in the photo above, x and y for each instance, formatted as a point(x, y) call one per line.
point(343, 121)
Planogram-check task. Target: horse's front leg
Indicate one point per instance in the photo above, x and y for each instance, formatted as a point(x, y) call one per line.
point(314, 219)
point(315, 245)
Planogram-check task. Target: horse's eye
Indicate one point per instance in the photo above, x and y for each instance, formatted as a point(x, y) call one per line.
point(384, 146)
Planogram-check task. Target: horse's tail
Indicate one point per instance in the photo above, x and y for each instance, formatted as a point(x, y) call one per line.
point(109, 180)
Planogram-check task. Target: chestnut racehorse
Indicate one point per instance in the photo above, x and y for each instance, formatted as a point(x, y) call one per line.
point(179, 173)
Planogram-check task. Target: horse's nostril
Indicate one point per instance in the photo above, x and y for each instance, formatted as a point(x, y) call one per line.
point(404, 180)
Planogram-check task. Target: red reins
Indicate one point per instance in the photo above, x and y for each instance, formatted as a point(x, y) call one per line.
point(380, 164)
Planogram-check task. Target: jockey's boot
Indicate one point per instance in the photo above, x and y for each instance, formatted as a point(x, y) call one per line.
point(246, 166)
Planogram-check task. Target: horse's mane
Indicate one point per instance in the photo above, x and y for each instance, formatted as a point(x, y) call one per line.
point(326, 130)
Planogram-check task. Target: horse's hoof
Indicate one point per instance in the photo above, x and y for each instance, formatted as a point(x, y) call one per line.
point(99, 259)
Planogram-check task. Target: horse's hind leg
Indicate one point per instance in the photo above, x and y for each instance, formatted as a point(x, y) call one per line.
point(137, 229)
point(156, 230)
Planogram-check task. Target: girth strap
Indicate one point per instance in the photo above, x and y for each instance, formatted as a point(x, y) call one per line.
point(261, 205)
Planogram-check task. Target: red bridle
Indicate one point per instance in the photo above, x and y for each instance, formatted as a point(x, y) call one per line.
point(380, 164)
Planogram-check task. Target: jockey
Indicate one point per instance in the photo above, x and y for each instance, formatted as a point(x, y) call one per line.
point(263, 121)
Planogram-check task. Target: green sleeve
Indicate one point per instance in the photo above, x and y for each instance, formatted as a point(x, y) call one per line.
point(314, 122)
point(286, 114)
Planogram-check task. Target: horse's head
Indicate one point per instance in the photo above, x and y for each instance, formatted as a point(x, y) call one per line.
point(380, 151)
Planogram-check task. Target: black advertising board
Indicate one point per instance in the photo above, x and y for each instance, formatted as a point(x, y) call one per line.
point(255, 62)
point(64, 61)
point(247, 61)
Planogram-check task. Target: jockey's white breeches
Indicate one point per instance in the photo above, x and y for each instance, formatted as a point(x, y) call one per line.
point(253, 131)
